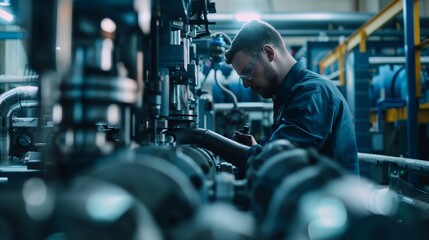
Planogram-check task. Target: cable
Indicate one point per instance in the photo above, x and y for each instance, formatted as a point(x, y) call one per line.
point(225, 90)
point(393, 82)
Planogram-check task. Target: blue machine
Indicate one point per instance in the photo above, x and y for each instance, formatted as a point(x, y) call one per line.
point(393, 79)
point(236, 86)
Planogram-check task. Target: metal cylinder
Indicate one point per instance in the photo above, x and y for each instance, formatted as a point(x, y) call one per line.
point(85, 102)
point(165, 92)
point(11, 101)
point(88, 100)
point(94, 208)
point(186, 164)
point(161, 186)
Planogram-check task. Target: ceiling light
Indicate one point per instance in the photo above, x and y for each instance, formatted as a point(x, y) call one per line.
point(108, 25)
point(6, 16)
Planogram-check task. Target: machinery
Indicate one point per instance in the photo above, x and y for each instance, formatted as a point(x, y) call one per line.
point(115, 140)
point(388, 94)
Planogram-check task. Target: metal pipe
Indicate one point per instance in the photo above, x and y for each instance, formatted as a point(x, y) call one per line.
point(379, 60)
point(18, 79)
point(229, 150)
point(17, 98)
point(248, 106)
point(11, 101)
point(165, 92)
point(411, 165)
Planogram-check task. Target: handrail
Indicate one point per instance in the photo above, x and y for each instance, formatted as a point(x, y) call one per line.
point(411, 165)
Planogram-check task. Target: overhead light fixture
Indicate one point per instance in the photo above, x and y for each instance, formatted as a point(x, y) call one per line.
point(5, 3)
point(247, 17)
point(108, 25)
point(143, 8)
point(6, 16)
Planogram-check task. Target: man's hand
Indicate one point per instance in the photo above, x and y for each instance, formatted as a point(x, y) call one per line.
point(245, 139)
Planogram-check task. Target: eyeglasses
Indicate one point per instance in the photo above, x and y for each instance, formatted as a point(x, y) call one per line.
point(247, 73)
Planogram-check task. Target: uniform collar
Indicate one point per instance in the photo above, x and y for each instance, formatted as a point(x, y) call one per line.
point(289, 80)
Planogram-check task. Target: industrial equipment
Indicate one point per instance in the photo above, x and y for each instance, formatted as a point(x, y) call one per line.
point(121, 139)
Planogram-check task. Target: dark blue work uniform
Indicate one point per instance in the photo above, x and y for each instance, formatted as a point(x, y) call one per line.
point(310, 111)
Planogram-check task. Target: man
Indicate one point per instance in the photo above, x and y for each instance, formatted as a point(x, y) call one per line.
point(309, 110)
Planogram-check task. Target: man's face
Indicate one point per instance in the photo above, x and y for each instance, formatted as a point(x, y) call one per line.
point(256, 73)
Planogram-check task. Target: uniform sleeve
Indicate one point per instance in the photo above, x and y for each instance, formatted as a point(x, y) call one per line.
point(307, 121)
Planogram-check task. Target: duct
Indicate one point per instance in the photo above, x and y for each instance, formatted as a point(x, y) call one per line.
point(229, 150)
point(286, 32)
point(10, 102)
point(296, 20)
point(354, 18)
point(334, 24)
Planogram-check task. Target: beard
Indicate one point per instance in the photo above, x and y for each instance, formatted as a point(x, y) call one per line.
point(271, 77)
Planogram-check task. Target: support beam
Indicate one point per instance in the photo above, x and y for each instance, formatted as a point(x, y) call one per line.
point(416, 14)
point(410, 55)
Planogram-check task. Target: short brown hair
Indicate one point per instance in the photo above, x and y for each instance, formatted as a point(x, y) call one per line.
point(251, 37)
